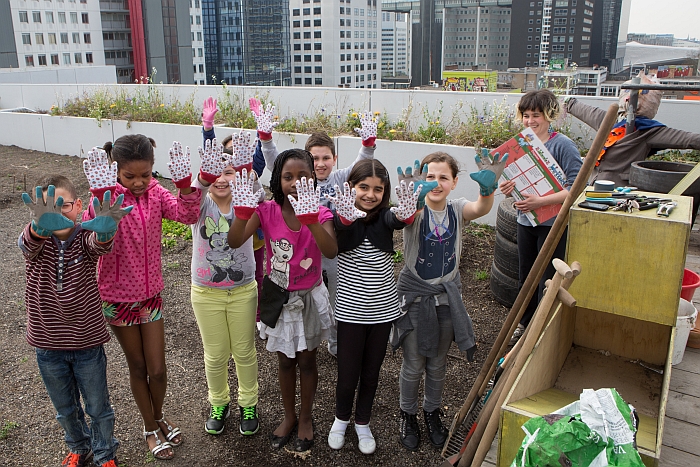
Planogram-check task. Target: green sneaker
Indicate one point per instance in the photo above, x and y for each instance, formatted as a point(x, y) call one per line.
point(249, 420)
point(217, 419)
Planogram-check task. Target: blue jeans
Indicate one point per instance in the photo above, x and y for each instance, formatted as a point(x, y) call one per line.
point(67, 375)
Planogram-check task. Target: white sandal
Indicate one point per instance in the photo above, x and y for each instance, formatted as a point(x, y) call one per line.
point(160, 445)
point(173, 432)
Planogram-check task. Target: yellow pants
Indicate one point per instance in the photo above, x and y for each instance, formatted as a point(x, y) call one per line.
point(226, 320)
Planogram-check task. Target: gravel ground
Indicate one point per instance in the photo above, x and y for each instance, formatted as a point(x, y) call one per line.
point(30, 436)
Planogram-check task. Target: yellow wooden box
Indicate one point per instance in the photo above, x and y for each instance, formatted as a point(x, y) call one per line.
point(633, 263)
point(587, 349)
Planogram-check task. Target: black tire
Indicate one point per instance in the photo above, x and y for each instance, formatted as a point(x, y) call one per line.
point(503, 288)
point(507, 220)
point(505, 256)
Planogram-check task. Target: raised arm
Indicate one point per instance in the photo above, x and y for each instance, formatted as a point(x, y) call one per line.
point(209, 110)
point(265, 121)
point(307, 210)
point(487, 177)
point(244, 200)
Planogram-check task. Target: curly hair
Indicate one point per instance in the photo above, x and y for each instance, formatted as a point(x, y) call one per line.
point(276, 179)
point(543, 101)
point(130, 148)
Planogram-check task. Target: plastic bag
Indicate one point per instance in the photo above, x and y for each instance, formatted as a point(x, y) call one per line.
point(596, 431)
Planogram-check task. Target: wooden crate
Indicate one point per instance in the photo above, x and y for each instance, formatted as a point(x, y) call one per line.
point(633, 262)
point(587, 349)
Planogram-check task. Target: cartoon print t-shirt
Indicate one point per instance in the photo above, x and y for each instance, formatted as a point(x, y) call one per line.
point(214, 263)
point(293, 258)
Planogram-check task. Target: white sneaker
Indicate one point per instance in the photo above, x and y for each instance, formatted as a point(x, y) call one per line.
point(365, 439)
point(517, 334)
point(336, 437)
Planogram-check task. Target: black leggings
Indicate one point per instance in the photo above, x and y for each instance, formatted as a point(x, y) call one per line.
point(530, 241)
point(361, 351)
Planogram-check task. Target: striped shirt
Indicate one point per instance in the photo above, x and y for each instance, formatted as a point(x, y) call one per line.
point(64, 309)
point(366, 286)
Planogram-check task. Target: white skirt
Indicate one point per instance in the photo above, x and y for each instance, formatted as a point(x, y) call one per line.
point(288, 334)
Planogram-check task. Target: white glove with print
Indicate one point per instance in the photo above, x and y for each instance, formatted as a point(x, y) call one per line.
point(101, 175)
point(264, 118)
point(408, 201)
point(212, 160)
point(368, 132)
point(306, 206)
point(244, 198)
point(243, 151)
point(180, 165)
point(344, 203)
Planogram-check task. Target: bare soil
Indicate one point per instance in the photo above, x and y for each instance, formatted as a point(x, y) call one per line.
point(30, 436)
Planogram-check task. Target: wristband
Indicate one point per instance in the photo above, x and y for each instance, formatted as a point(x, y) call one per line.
point(183, 183)
point(207, 177)
point(369, 142)
point(344, 221)
point(39, 232)
point(105, 237)
point(410, 220)
point(99, 192)
point(247, 167)
point(243, 212)
point(308, 218)
point(264, 136)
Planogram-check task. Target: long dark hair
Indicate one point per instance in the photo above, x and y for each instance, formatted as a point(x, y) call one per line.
point(372, 168)
point(276, 178)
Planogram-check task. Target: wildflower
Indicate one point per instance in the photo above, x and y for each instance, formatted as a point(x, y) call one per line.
point(112, 106)
point(437, 122)
point(322, 109)
point(162, 105)
point(392, 131)
point(128, 100)
point(276, 117)
point(354, 115)
point(376, 112)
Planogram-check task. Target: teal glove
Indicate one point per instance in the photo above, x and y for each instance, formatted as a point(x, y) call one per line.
point(106, 218)
point(46, 216)
point(489, 171)
point(417, 176)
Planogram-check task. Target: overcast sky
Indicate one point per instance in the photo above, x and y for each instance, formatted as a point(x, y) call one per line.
point(678, 17)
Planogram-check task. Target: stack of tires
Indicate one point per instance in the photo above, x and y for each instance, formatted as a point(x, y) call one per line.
point(504, 270)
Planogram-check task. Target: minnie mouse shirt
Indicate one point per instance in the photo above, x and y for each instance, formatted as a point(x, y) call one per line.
point(293, 258)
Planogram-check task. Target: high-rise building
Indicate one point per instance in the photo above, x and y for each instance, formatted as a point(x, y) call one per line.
point(50, 34)
point(141, 37)
point(395, 45)
point(197, 31)
point(551, 30)
point(335, 44)
point(610, 22)
point(486, 27)
point(246, 42)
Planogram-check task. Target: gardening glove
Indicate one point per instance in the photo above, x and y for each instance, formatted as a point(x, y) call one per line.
point(243, 151)
point(46, 216)
point(489, 171)
point(307, 202)
point(408, 201)
point(368, 132)
point(209, 111)
point(180, 165)
point(107, 216)
point(213, 161)
point(344, 203)
point(417, 176)
point(264, 118)
point(101, 175)
point(244, 198)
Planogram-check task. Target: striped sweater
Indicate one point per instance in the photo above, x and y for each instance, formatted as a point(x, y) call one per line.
point(64, 309)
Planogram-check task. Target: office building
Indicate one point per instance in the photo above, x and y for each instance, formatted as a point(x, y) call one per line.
point(336, 44)
point(50, 34)
point(395, 45)
point(610, 22)
point(197, 32)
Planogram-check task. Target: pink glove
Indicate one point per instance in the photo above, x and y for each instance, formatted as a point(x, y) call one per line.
point(306, 206)
point(243, 198)
point(368, 132)
point(209, 111)
point(101, 175)
point(212, 160)
point(263, 118)
point(180, 165)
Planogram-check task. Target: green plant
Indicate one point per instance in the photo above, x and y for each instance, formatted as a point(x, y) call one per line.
point(481, 275)
point(478, 230)
point(678, 155)
point(6, 428)
point(434, 131)
point(397, 257)
point(173, 230)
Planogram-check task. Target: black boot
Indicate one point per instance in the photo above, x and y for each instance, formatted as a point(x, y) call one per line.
point(410, 433)
point(437, 433)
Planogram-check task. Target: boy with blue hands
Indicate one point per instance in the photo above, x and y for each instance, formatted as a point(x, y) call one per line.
point(64, 313)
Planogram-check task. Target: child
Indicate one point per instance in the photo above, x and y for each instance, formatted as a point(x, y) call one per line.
point(130, 278)
point(367, 302)
point(224, 292)
point(64, 314)
point(538, 109)
point(322, 148)
point(295, 310)
point(209, 110)
point(429, 289)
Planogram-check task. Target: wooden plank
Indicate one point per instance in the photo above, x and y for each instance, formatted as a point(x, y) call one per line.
point(683, 407)
point(690, 362)
point(671, 457)
point(685, 382)
point(631, 338)
point(608, 246)
point(682, 436)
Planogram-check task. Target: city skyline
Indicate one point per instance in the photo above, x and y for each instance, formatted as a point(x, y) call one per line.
point(670, 17)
